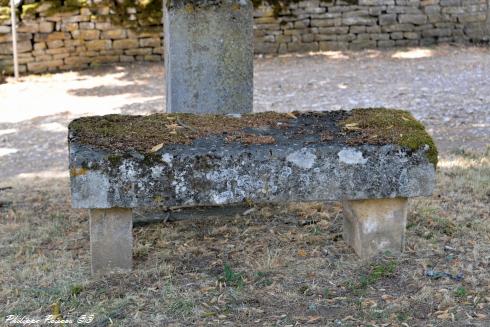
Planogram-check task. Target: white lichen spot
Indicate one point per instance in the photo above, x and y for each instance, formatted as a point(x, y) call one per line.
point(167, 158)
point(351, 157)
point(370, 226)
point(128, 170)
point(222, 198)
point(303, 158)
point(156, 172)
point(285, 172)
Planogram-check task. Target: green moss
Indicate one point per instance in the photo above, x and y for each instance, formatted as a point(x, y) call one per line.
point(29, 9)
point(76, 3)
point(114, 159)
point(5, 11)
point(383, 126)
point(148, 133)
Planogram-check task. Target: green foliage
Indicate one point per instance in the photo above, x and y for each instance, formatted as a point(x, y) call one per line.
point(460, 292)
point(376, 273)
point(76, 290)
point(232, 278)
point(29, 9)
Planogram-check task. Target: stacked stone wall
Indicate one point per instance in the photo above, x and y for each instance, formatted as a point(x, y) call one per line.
point(64, 37)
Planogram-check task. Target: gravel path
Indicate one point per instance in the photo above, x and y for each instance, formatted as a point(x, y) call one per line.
point(447, 87)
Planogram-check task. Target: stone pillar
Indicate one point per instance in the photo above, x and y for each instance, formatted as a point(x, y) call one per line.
point(209, 56)
point(375, 226)
point(111, 239)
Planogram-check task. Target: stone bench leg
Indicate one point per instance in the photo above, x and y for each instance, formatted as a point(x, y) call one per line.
point(375, 226)
point(111, 239)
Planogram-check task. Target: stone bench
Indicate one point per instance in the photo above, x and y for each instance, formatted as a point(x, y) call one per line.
point(371, 159)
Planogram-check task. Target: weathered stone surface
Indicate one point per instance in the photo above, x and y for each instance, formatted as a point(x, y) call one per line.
point(111, 239)
point(209, 57)
point(303, 159)
point(375, 226)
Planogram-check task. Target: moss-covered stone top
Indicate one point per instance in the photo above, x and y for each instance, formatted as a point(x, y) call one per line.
point(143, 133)
point(382, 126)
point(151, 133)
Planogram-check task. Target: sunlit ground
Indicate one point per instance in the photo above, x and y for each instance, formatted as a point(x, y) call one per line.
point(57, 93)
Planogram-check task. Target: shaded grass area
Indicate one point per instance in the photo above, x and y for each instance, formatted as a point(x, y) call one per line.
point(275, 266)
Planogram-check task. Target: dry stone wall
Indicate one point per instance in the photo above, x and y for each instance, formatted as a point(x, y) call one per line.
point(59, 36)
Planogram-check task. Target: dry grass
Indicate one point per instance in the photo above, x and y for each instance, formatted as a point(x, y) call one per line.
point(261, 269)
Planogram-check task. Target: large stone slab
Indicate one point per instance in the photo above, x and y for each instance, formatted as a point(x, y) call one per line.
point(185, 159)
point(209, 56)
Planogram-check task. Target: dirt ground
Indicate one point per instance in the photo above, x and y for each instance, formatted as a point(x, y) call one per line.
point(275, 266)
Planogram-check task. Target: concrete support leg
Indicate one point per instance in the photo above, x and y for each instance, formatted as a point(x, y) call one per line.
point(375, 226)
point(111, 239)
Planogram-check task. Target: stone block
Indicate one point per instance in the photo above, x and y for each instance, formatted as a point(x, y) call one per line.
point(77, 61)
point(28, 27)
point(86, 25)
point(334, 30)
point(303, 47)
point(57, 36)
point(323, 22)
point(209, 57)
point(412, 19)
point(138, 52)
point(105, 59)
point(40, 46)
point(358, 20)
point(46, 27)
point(24, 46)
point(411, 35)
point(89, 34)
point(150, 42)
point(386, 44)
point(125, 44)
point(217, 160)
point(387, 19)
point(69, 27)
point(98, 45)
point(450, 3)
point(111, 240)
point(39, 67)
point(332, 46)
point(375, 226)
point(55, 44)
point(153, 58)
point(114, 34)
point(439, 32)
point(265, 48)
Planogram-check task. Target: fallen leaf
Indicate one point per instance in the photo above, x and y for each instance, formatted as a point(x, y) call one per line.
point(480, 316)
point(313, 319)
point(156, 147)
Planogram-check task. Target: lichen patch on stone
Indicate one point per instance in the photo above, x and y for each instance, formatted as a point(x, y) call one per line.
point(351, 157)
point(303, 158)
